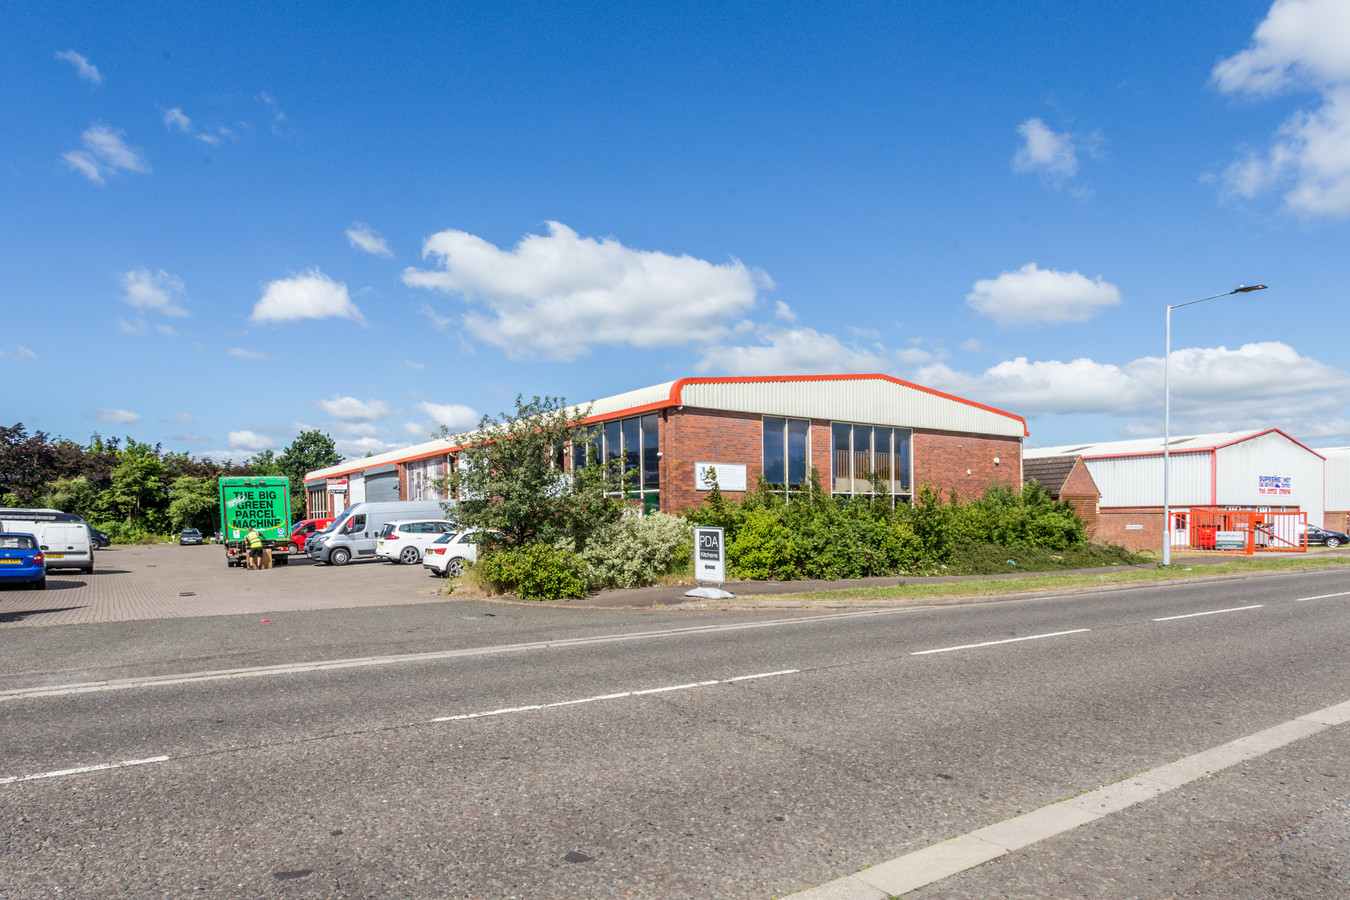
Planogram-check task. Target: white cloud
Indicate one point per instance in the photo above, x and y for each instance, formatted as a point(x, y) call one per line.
point(1033, 296)
point(154, 291)
point(415, 366)
point(451, 415)
point(1299, 46)
point(354, 429)
point(1258, 385)
point(250, 441)
point(309, 295)
point(174, 118)
point(558, 294)
point(362, 446)
point(1299, 42)
point(191, 438)
point(362, 238)
point(349, 409)
point(118, 416)
point(182, 418)
point(104, 153)
point(88, 71)
point(795, 351)
point(1045, 152)
point(971, 345)
point(247, 354)
point(23, 353)
point(782, 311)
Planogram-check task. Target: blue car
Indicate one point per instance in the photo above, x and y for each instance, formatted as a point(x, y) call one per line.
point(21, 561)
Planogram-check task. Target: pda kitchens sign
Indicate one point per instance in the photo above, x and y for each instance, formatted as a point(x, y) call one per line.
point(710, 555)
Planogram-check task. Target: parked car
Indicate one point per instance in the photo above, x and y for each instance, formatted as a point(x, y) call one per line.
point(406, 541)
point(355, 533)
point(449, 555)
point(1331, 539)
point(98, 539)
point(189, 536)
point(301, 531)
point(21, 560)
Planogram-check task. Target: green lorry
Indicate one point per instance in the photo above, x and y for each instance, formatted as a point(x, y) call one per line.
point(258, 501)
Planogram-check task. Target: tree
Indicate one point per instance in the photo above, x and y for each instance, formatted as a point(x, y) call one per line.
point(509, 477)
point(194, 502)
point(310, 451)
point(138, 494)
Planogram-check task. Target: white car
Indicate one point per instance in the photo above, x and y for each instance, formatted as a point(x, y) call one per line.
point(405, 541)
point(450, 554)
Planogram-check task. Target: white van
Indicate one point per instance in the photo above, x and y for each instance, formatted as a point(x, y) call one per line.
point(355, 533)
point(63, 537)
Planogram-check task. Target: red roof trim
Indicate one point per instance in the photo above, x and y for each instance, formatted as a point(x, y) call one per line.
point(1176, 450)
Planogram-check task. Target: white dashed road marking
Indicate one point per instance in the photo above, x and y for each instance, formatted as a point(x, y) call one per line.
point(1212, 612)
point(83, 769)
point(1030, 637)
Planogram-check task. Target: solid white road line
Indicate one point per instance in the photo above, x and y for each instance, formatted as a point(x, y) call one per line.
point(1212, 612)
point(942, 860)
point(1032, 637)
point(83, 769)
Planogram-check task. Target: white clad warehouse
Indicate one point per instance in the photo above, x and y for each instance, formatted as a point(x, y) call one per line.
point(1338, 488)
point(1260, 470)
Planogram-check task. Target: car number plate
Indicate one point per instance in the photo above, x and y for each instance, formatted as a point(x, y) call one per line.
point(10, 562)
point(56, 556)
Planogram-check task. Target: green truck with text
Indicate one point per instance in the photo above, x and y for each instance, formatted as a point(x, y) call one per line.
point(257, 501)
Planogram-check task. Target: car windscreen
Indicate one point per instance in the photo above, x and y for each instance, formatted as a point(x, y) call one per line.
point(16, 542)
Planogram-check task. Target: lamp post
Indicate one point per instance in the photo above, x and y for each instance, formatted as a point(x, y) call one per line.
point(1167, 414)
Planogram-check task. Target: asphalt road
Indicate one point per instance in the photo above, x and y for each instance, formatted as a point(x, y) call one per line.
point(477, 750)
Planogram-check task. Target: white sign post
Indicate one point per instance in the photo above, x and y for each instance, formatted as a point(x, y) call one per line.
point(710, 563)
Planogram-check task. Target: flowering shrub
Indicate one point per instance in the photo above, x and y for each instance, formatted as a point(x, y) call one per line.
point(534, 572)
point(639, 550)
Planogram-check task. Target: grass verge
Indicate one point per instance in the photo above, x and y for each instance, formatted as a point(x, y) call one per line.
point(1059, 581)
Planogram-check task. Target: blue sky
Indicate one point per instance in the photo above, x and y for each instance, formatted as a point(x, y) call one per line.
point(227, 225)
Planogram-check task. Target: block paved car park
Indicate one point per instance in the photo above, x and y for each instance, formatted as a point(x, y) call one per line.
point(171, 581)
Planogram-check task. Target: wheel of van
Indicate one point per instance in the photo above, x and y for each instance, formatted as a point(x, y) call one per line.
point(340, 557)
point(88, 570)
point(454, 568)
point(409, 556)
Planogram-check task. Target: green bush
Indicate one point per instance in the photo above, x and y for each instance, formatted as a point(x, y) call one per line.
point(535, 572)
point(638, 550)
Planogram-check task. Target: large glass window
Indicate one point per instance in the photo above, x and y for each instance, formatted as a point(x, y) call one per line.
point(859, 451)
point(786, 457)
point(628, 446)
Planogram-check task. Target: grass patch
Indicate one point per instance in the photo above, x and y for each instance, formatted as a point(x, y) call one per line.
point(992, 559)
point(1053, 581)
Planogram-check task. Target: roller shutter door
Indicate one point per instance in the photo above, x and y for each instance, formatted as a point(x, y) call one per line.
point(382, 487)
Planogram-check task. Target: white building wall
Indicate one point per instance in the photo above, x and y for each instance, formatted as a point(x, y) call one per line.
point(1337, 478)
point(1271, 470)
point(1138, 480)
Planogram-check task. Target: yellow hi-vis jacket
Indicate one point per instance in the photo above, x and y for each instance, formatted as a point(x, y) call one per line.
point(254, 540)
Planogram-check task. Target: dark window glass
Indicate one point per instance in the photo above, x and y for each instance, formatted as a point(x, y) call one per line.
point(882, 456)
point(862, 458)
point(903, 438)
point(840, 462)
point(613, 449)
point(774, 455)
point(632, 453)
point(651, 463)
point(798, 438)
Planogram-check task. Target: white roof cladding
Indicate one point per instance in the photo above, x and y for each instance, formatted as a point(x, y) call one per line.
point(1143, 446)
point(1338, 477)
point(866, 399)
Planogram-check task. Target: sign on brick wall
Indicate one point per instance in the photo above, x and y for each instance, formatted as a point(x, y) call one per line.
point(729, 477)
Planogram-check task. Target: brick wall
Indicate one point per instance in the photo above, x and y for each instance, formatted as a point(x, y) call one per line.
point(1337, 520)
point(1112, 522)
point(965, 462)
point(689, 436)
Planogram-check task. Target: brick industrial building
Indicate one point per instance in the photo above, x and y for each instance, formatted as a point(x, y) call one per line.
point(670, 435)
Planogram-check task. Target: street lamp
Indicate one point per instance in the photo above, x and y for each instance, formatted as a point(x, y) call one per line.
point(1167, 414)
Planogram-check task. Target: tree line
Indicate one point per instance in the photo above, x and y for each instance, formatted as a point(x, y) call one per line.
point(134, 490)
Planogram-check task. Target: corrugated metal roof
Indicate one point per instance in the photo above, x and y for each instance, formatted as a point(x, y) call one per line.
point(1179, 444)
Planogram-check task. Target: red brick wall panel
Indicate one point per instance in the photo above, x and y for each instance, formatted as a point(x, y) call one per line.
point(964, 463)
